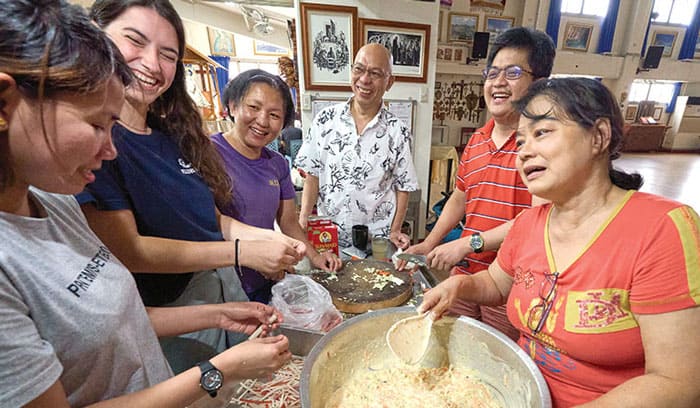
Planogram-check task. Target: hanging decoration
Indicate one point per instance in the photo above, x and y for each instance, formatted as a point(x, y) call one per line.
point(458, 101)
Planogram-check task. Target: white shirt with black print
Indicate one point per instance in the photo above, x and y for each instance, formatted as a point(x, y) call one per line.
point(358, 174)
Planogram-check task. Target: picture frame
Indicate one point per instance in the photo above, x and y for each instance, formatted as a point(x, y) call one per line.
point(465, 134)
point(408, 43)
point(448, 54)
point(462, 26)
point(221, 42)
point(497, 25)
point(631, 112)
point(667, 39)
point(458, 55)
point(496, 4)
point(658, 111)
point(266, 49)
point(329, 38)
point(577, 36)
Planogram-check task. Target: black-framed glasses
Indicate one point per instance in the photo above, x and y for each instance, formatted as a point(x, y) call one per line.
point(539, 313)
point(511, 72)
point(374, 74)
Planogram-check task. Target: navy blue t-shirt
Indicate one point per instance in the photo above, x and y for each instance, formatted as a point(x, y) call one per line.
point(167, 196)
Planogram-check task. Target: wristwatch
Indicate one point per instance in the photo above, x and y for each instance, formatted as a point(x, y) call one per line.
point(476, 242)
point(212, 379)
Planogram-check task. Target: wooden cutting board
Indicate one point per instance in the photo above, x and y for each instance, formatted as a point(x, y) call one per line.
point(364, 285)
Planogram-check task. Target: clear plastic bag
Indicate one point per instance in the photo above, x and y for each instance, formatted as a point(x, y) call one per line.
point(304, 303)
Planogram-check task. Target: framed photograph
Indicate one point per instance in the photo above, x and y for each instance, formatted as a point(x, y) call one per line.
point(497, 25)
point(329, 37)
point(448, 54)
point(462, 26)
point(631, 112)
point(458, 55)
point(577, 36)
point(666, 39)
point(658, 111)
point(465, 135)
point(407, 42)
point(263, 48)
point(221, 42)
point(496, 4)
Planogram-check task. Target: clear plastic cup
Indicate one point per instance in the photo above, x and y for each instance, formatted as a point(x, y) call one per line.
point(380, 245)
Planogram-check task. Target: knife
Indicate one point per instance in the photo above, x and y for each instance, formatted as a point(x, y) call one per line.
point(421, 260)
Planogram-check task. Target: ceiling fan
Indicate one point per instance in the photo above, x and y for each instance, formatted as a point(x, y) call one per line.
point(256, 21)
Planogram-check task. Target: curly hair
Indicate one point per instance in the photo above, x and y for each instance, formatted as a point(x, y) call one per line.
point(174, 112)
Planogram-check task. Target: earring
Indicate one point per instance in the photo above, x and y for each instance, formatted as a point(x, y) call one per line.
point(3, 124)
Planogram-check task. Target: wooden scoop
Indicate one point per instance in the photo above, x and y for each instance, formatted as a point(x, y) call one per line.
point(412, 340)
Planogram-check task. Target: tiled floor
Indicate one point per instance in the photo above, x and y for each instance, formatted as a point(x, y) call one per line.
point(672, 175)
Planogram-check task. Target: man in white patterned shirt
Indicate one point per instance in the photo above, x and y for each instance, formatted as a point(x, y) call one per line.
point(357, 157)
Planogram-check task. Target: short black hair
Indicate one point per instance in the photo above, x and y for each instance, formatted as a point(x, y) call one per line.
point(238, 87)
point(540, 47)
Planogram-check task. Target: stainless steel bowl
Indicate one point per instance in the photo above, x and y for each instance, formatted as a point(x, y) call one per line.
point(359, 344)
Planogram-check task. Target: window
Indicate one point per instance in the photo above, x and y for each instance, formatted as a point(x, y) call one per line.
point(660, 92)
point(674, 11)
point(586, 7)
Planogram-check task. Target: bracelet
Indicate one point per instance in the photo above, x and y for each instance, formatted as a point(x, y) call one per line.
point(237, 267)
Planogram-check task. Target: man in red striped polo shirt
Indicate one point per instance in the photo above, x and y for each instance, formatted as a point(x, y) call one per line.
point(488, 190)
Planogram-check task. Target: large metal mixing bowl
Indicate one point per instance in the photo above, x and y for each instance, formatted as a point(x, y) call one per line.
point(359, 344)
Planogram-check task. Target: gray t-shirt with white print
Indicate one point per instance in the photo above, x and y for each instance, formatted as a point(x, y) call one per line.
point(69, 310)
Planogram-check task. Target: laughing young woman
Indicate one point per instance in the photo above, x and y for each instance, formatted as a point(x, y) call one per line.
point(155, 204)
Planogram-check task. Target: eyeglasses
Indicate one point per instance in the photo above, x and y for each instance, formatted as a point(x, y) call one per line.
point(539, 313)
point(512, 72)
point(374, 74)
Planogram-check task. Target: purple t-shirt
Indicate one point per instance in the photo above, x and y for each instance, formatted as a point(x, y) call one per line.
point(258, 188)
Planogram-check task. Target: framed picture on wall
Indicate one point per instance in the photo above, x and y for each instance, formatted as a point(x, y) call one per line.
point(263, 48)
point(448, 54)
point(496, 4)
point(497, 25)
point(408, 44)
point(666, 39)
point(462, 26)
point(221, 42)
point(577, 36)
point(631, 112)
point(658, 111)
point(329, 37)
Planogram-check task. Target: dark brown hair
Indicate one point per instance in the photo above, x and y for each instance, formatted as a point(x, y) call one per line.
point(51, 47)
point(174, 112)
point(584, 101)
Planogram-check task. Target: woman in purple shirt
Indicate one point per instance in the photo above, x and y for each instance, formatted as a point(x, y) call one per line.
point(260, 106)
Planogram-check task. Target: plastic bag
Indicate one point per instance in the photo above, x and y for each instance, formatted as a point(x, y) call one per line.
point(304, 303)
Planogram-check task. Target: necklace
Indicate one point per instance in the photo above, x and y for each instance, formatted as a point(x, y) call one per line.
point(143, 131)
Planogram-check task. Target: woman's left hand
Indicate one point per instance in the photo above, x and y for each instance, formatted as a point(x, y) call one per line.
point(245, 317)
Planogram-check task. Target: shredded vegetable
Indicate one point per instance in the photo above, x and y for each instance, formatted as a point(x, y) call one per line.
point(282, 391)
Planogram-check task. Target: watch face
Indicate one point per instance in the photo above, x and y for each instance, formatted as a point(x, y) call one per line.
point(211, 380)
point(476, 242)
